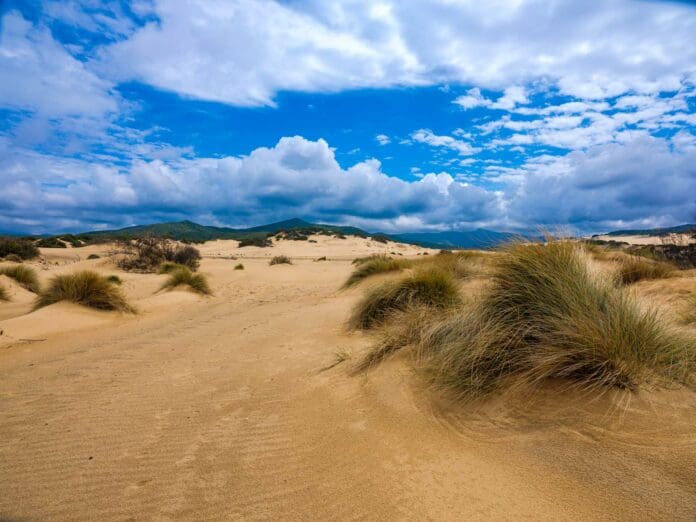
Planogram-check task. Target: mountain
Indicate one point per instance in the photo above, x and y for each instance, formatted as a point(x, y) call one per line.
point(193, 232)
point(480, 238)
point(679, 229)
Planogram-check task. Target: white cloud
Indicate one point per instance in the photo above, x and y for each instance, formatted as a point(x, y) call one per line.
point(383, 139)
point(428, 137)
point(243, 52)
point(39, 74)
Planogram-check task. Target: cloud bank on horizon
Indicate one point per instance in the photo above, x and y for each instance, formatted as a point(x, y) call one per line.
point(387, 115)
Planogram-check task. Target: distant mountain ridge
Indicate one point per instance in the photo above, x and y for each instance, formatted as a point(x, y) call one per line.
point(679, 229)
point(189, 231)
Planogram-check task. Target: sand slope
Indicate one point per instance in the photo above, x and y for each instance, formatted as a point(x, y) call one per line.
point(233, 407)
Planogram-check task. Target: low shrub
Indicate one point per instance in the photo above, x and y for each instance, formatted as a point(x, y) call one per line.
point(85, 288)
point(239, 266)
point(183, 276)
point(148, 253)
point(380, 238)
point(3, 294)
point(322, 258)
point(50, 242)
point(24, 275)
point(430, 287)
point(93, 256)
point(633, 269)
point(14, 258)
point(257, 241)
point(280, 260)
point(23, 248)
point(375, 265)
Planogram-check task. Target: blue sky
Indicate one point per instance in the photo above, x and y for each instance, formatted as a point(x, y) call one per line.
point(392, 116)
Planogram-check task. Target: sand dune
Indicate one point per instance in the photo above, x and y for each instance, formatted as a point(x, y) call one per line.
point(237, 406)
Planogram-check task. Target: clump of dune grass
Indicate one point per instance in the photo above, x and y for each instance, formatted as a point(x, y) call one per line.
point(633, 269)
point(280, 260)
point(13, 258)
point(375, 265)
point(93, 256)
point(322, 258)
point(24, 275)
point(168, 267)
point(547, 316)
point(239, 266)
point(114, 279)
point(85, 288)
point(431, 287)
point(183, 276)
point(365, 259)
point(3, 294)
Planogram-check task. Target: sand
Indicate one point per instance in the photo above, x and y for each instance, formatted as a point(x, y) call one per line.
point(238, 407)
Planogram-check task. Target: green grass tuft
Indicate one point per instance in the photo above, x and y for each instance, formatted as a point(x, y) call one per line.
point(183, 276)
point(114, 279)
point(431, 287)
point(633, 269)
point(169, 266)
point(375, 265)
point(547, 316)
point(24, 275)
point(280, 260)
point(85, 288)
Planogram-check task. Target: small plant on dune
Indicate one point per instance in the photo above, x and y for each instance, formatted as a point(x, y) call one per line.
point(548, 316)
point(114, 279)
point(239, 266)
point(280, 260)
point(183, 276)
point(85, 288)
point(93, 256)
point(22, 248)
point(13, 258)
point(322, 258)
point(3, 294)
point(375, 265)
point(169, 266)
point(633, 269)
point(430, 287)
point(24, 275)
point(365, 259)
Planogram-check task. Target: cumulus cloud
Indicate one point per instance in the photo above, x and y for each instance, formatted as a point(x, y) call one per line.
point(648, 181)
point(40, 75)
point(296, 177)
point(383, 139)
point(243, 51)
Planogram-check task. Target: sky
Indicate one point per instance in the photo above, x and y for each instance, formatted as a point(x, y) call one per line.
point(389, 115)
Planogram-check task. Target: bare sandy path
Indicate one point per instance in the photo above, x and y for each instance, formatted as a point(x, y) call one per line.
point(224, 408)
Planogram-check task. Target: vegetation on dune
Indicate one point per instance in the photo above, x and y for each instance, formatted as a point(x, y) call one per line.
point(50, 242)
point(24, 275)
point(148, 253)
point(633, 269)
point(375, 265)
point(429, 287)
point(257, 241)
point(85, 288)
point(544, 315)
point(3, 294)
point(114, 279)
point(169, 266)
point(239, 266)
point(183, 276)
point(23, 248)
point(93, 256)
point(322, 258)
point(13, 258)
point(280, 260)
